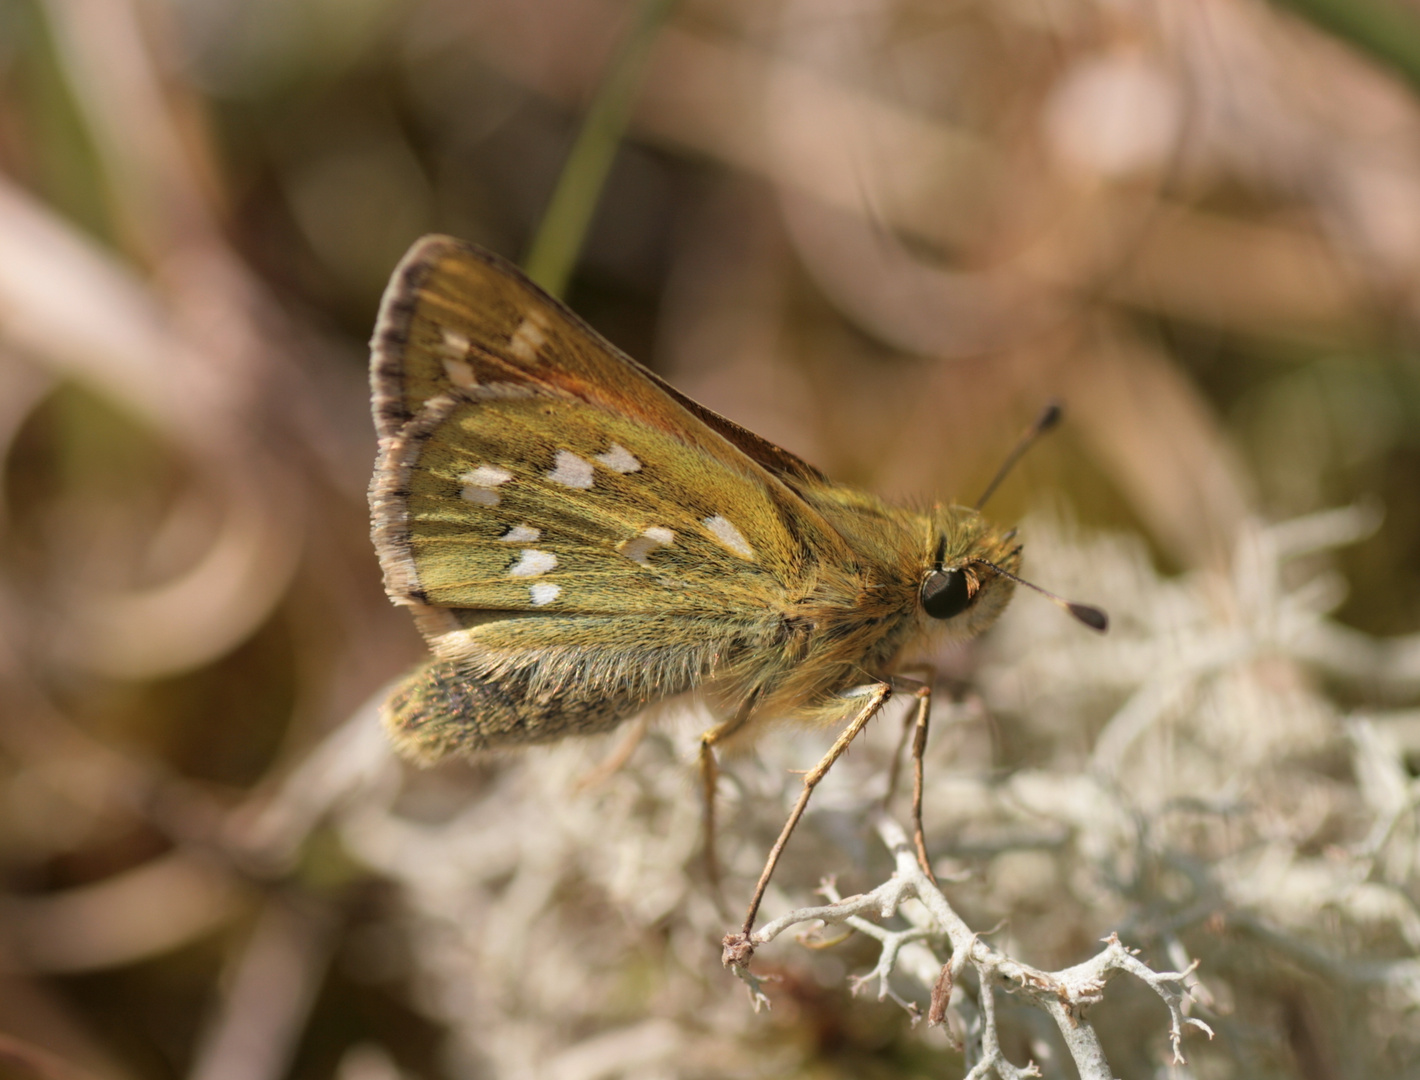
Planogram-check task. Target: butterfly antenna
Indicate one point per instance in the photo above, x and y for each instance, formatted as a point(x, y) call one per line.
point(1091, 616)
point(1048, 418)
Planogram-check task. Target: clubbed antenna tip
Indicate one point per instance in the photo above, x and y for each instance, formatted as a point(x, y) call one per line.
point(1048, 418)
point(1092, 617)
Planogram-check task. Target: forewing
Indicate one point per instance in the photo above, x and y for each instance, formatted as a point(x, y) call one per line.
point(456, 317)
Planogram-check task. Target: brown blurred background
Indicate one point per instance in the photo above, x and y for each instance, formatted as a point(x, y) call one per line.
point(880, 232)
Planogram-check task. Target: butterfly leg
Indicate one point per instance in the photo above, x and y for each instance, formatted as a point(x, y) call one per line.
point(738, 947)
point(909, 723)
point(612, 763)
point(921, 718)
point(710, 779)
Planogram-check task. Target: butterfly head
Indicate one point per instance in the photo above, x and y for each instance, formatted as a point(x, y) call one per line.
point(973, 570)
point(969, 577)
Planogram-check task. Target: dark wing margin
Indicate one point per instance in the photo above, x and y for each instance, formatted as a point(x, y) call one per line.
point(774, 458)
point(390, 341)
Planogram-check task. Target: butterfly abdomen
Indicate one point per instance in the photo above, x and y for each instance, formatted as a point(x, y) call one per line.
point(446, 708)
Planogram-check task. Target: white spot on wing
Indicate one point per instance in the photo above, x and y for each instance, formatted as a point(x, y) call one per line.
point(486, 476)
point(619, 459)
point(640, 548)
point(528, 338)
point(724, 531)
point(544, 593)
point(479, 484)
point(533, 563)
point(455, 343)
point(460, 373)
point(520, 534)
point(571, 471)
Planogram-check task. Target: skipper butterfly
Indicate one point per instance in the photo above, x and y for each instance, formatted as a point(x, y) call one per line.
point(577, 540)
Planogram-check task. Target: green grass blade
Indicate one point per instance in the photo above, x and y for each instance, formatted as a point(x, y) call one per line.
point(1388, 31)
point(559, 237)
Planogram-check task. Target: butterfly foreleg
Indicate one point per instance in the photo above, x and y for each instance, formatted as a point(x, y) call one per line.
point(738, 947)
point(910, 723)
point(917, 722)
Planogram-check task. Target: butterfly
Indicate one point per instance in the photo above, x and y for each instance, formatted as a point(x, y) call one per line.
point(577, 540)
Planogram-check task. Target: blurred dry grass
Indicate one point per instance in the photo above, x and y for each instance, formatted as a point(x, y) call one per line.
point(878, 232)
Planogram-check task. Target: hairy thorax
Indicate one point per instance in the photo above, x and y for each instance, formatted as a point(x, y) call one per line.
point(854, 620)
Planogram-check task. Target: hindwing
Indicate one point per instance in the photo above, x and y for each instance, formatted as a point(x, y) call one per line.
point(514, 499)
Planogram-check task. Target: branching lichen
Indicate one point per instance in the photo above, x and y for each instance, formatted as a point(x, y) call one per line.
point(1182, 786)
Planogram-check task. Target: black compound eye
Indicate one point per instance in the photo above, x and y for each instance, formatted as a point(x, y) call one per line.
point(946, 593)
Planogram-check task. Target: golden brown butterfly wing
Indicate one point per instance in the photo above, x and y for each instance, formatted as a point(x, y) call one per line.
point(456, 316)
point(519, 500)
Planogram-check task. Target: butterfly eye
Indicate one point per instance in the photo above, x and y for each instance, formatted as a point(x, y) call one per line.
point(946, 593)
